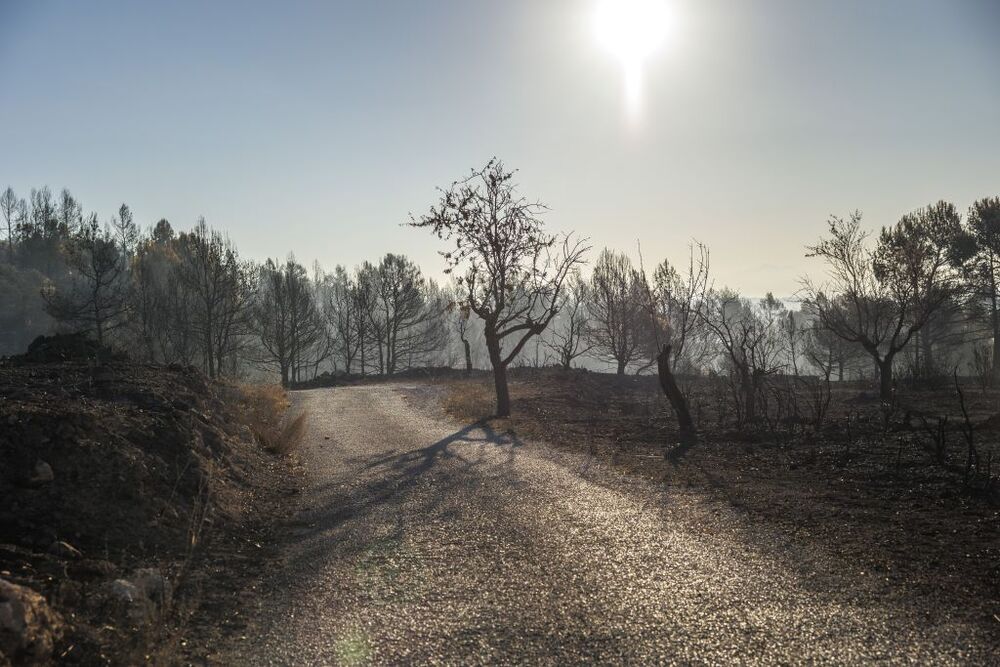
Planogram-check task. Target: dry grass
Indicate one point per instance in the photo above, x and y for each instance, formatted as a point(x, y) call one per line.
point(265, 399)
point(473, 400)
point(265, 410)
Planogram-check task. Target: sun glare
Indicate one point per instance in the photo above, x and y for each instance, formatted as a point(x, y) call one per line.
point(631, 30)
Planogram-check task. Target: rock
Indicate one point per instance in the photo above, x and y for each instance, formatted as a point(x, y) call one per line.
point(65, 550)
point(143, 597)
point(127, 598)
point(29, 628)
point(154, 586)
point(42, 474)
point(123, 590)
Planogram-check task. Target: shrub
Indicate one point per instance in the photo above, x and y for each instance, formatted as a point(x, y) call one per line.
point(264, 408)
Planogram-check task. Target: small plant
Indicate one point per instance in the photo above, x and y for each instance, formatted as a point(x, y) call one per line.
point(968, 432)
point(818, 393)
point(938, 433)
point(264, 409)
point(982, 366)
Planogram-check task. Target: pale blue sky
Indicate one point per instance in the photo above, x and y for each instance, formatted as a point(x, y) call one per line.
point(317, 127)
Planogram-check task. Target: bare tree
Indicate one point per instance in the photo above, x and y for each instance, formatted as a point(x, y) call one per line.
point(363, 297)
point(162, 304)
point(43, 212)
point(880, 298)
point(143, 296)
point(22, 216)
point(96, 299)
point(461, 322)
point(568, 338)
point(750, 336)
point(677, 302)
point(462, 326)
point(513, 278)
point(40, 234)
point(340, 310)
point(8, 207)
point(674, 309)
point(825, 351)
point(177, 337)
point(125, 230)
point(615, 310)
point(69, 212)
point(408, 323)
point(794, 332)
point(217, 283)
point(287, 320)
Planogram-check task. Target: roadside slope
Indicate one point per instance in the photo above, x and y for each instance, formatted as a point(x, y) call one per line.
point(420, 541)
point(113, 481)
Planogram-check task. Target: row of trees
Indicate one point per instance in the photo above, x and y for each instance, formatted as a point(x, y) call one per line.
point(918, 290)
point(926, 278)
point(523, 282)
point(930, 278)
point(923, 289)
point(189, 297)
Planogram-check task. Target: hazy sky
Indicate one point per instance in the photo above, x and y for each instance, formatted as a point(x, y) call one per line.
point(317, 127)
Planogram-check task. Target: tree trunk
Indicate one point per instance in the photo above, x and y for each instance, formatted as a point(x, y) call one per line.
point(99, 328)
point(621, 367)
point(468, 356)
point(499, 374)
point(209, 348)
point(284, 375)
point(885, 379)
point(995, 314)
point(668, 383)
point(928, 352)
point(749, 400)
point(503, 393)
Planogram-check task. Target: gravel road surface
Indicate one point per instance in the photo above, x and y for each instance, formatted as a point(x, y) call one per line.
point(421, 541)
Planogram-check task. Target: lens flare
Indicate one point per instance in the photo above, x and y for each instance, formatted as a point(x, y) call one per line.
point(632, 31)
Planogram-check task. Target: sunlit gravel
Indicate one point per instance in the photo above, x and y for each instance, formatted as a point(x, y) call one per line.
point(422, 542)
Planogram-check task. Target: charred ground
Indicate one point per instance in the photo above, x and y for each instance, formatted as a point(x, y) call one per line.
point(123, 488)
point(863, 496)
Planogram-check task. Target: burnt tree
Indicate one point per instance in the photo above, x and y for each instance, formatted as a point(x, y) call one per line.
point(515, 271)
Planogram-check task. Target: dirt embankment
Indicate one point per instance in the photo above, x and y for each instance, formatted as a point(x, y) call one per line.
point(117, 482)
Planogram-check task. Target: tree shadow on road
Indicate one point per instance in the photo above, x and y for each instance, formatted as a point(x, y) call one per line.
point(349, 512)
point(418, 461)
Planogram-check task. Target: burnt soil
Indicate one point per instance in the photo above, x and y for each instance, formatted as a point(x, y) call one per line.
point(853, 500)
point(153, 467)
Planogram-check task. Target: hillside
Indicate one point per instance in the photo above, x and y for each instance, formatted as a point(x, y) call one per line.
point(113, 481)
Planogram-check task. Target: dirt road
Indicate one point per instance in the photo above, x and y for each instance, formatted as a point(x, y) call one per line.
point(420, 541)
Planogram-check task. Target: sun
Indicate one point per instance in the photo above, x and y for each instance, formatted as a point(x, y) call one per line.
point(632, 31)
